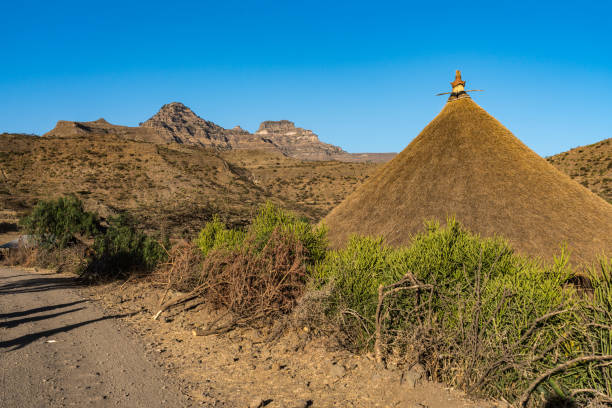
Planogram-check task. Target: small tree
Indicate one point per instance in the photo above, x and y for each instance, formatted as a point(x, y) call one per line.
point(122, 249)
point(55, 223)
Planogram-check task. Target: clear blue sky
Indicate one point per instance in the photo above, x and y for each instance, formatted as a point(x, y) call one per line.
point(362, 75)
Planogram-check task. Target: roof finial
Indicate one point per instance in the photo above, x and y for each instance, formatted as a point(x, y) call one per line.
point(457, 82)
point(458, 91)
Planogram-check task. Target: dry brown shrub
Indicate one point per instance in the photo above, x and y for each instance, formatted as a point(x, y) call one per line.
point(257, 284)
point(20, 256)
point(71, 259)
point(246, 285)
point(183, 270)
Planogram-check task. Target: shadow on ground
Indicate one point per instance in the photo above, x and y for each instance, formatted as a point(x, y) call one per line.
point(14, 323)
point(41, 283)
point(39, 310)
point(23, 341)
point(38, 285)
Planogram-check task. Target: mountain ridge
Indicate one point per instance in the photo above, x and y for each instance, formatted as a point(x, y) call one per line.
point(177, 123)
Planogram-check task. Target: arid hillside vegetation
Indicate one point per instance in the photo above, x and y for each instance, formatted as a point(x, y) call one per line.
point(590, 165)
point(171, 187)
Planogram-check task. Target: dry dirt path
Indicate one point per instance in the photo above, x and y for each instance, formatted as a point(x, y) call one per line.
point(60, 350)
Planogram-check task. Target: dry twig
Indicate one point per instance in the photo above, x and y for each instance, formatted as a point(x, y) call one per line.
point(524, 399)
point(383, 292)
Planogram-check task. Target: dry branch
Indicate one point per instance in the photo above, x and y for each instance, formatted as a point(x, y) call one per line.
point(601, 395)
point(383, 292)
point(524, 399)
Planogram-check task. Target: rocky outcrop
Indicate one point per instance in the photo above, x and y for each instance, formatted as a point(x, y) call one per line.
point(177, 123)
point(297, 142)
point(101, 128)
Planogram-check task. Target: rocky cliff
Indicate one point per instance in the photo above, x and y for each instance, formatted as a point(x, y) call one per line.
point(297, 142)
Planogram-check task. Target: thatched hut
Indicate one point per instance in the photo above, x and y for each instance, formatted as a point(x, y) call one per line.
point(466, 164)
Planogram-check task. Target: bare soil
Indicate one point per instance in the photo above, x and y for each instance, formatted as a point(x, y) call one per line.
point(242, 369)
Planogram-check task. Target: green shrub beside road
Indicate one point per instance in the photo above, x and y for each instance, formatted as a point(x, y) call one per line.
point(56, 223)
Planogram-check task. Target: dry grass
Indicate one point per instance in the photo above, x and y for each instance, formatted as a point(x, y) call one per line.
point(465, 163)
point(589, 165)
point(71, 259)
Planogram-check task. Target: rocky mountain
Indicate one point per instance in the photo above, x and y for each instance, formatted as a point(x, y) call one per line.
point(176, 123)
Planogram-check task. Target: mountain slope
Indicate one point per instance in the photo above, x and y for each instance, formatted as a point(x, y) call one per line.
point(172, 187)
point(102, 128)
point(589, 165)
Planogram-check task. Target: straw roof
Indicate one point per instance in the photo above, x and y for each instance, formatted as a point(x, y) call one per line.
point(467, 164)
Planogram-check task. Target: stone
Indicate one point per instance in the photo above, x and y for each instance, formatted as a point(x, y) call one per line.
point(337, 371)
point(301, 403)
point(256, 402)
point(298, 142)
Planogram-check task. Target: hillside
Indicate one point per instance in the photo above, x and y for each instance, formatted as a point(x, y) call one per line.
point(168, 186)
point(589, 165)
point(175, 123)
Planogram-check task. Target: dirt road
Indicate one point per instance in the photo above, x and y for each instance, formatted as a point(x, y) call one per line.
point(60, 350)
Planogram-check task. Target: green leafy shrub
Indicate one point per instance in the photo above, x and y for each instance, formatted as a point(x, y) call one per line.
point(596, 336)
point(444, 257)
point(477, 328)
point(270, 217)
point(122, 249)
point(55, 223)
point(451, 255)
point(495, 334)
point(354, 274)
point(216, 235)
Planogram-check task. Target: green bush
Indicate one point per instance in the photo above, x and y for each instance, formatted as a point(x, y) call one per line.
point(444, 257)
point(122, 249)
point(55, 223)
point(270, 217)
point(596, 334)
point(355, 273)
point(475, 329)
point(216, 235)
point(451, 255)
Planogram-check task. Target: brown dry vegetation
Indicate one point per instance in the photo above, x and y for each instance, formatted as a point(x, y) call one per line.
point(589, 165)
point(169, 187)
point(467, 164)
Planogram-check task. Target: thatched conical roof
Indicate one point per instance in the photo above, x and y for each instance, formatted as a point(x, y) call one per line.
point(467, 164)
